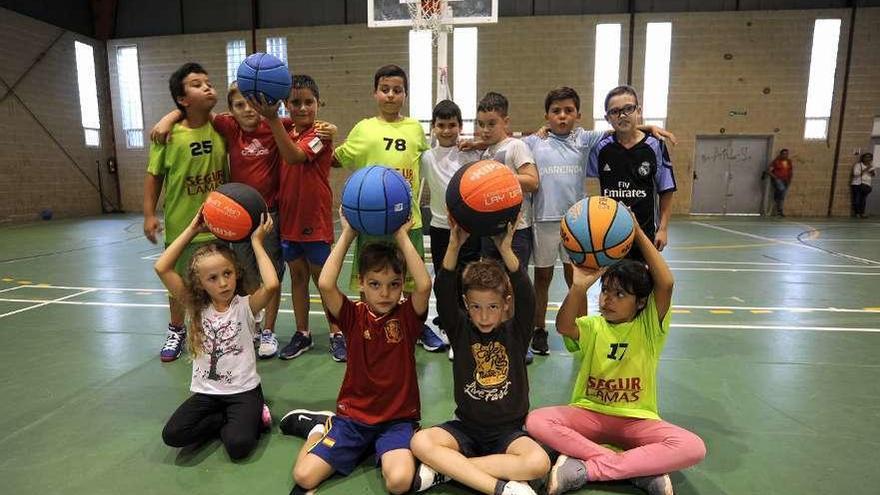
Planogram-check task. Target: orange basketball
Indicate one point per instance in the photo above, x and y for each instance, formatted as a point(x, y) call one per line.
point(232, 212)
point(484, 197)
point(597, 231)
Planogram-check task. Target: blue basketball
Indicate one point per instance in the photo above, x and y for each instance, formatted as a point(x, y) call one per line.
point(376, 200)
point(597, 232)
point(264, 74)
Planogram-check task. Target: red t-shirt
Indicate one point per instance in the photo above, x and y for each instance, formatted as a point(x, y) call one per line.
point(305, 200)
point(781, 169)
point(380, 375)
point(253, 156)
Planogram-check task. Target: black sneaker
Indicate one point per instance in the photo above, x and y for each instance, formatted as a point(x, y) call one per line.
point(539, 342)
point(337, 348)
point(300, 422)
point(299, 344)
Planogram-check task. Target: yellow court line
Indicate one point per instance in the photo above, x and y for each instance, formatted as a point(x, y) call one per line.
point(25, 282)
point(760, 311)
point(7, 279)
point(721, 311)
point(681, 311)
point(873, 308)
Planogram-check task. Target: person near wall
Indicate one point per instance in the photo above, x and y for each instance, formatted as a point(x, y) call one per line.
point(860, 184)
point(780, 172)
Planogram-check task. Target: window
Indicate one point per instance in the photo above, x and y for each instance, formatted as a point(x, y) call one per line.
point(606, 70)
point(820, 91)
point(420, 87)
point(658, 48)
point(278, 48)
point(464, 83)
point(88, 93)
point(235, 53)
point(130, 96)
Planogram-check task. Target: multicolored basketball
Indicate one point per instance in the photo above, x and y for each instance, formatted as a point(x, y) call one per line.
point(597, 232)
point(484, 197)
point(376, 200)
point(264, 74)
point(232, 212)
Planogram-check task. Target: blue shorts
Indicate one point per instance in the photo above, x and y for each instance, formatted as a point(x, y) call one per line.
point(316, 252)
point(347, 442)
point(476, 442)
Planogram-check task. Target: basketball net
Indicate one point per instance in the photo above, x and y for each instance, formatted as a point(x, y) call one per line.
point(430, 15)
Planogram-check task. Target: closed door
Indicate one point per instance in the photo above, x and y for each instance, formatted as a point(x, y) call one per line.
point(727, 175)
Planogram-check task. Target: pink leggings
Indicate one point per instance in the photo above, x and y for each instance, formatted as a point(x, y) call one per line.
point(651, 446)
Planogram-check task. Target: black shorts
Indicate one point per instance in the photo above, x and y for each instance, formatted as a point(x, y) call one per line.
point(478, 442)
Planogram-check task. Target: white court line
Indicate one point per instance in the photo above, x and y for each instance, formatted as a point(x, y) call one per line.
point(777, 327)
point(551, 305)
point(768, 263)
point(546, 322)
point(152, 256)
point(787, 243)
point(769, 270)
point(12, 288)
point(44, 303)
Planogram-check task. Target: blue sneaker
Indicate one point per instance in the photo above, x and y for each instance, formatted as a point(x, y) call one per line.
point(529, 356)
point(174, 341)
point(430, 341)
point(298, 344)
point(337, 348)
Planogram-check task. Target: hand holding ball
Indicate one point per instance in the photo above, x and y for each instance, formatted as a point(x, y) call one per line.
point(232, 212)
point(597, 231)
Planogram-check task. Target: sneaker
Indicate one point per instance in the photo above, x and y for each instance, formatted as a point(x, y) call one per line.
point(298, 490)
point(266, 418)
point(654, 485)
point(567, 474)
point(443, 336)
point(539, 342)
point(426, 477)
point(298, 344)
point(517, 488)
point(300, 422)
point(337, 347)
point(451, 354)
point(430, 341)
point(268, 345)
point(529, 357)
point(174, 340)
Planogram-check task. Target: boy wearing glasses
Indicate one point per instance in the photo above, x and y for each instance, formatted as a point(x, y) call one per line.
point(634, 167)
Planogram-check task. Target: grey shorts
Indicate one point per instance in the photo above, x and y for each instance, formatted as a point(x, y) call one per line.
point(245, 254)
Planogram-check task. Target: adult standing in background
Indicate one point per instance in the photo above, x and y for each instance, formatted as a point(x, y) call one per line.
point(860, 185)
point(780, 172)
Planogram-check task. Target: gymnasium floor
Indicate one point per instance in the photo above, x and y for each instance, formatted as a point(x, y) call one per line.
point(772, 360)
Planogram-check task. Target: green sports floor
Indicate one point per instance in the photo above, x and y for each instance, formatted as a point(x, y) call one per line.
point(772, 360)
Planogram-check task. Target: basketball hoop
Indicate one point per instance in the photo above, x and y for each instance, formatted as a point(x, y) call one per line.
point(430, 15)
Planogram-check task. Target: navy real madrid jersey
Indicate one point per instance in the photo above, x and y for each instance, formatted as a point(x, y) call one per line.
point(634, 176)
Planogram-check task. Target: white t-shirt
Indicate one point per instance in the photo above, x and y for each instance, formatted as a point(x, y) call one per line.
point(439, 164)
point(514, 153)
point(861, 175)
point(232, 369)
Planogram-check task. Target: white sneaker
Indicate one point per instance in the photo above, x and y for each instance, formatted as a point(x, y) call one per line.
point(451, 354)
point(268, 345)
point(660, 484)
point(426, 477)
point(517, 488)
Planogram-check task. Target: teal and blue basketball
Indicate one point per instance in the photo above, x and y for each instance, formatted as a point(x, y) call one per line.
point(264, 74)
point(597, 231)
point(376, 200)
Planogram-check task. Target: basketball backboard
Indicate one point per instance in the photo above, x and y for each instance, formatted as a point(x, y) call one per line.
point(395, 13)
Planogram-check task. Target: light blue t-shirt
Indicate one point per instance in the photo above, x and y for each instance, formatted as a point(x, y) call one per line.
point(562, 166)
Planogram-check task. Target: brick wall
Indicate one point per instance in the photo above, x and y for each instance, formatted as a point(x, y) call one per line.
point(525, 57)
point(34, 172)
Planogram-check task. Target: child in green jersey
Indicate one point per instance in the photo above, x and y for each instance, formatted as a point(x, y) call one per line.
point(189, 166)
point(615, 394)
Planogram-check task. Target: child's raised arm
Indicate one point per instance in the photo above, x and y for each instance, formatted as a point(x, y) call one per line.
point(659, 270)
point(415, 266)
point(327, 281)
point(290, 151)
point(271, 284)
point(582, 280)
point(165, 264)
